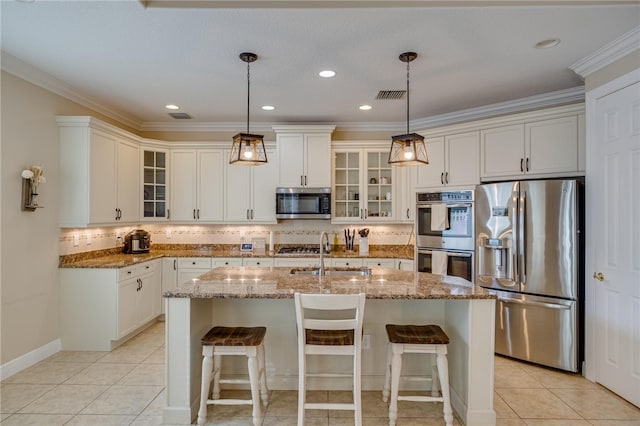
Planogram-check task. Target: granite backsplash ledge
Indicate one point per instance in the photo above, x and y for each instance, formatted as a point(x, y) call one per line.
point(226, 250)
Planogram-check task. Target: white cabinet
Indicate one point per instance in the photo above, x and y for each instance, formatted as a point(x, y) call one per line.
point(405, 190)
point(300, 262)
point(379, 263)
point(346, 261)
point(363, 188)
point(249, 192)
point(225, 261)
point(453, 161)
point(196, 185)
point(542, 148)
point(304, 156)
point(406, 265)
point(191, 267)
point(155, 194)
point(99, 174)
point(257, 261)
point(169, 276)
point(111, 303)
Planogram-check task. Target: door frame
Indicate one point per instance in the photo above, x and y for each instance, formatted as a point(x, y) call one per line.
point(591, 202)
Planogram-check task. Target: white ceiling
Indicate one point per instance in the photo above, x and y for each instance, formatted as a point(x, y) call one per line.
point(134, 60)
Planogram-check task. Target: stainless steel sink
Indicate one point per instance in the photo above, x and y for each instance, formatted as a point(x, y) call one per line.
point(364, 271)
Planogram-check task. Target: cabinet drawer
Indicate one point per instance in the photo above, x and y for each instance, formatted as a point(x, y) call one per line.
point(137, 270)
point(342, 262)
point(380, 263)
point(194, 262)
point(257, 261)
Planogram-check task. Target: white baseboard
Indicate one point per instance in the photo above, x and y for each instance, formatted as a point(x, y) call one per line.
point(31, 358)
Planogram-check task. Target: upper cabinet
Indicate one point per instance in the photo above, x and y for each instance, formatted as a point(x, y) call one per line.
point(304, 155)
point(155, 166)
point(542, 148)
point(197, 185)
point(250, 191)
point(363, 185)
point(453, 161)
point(99, 173)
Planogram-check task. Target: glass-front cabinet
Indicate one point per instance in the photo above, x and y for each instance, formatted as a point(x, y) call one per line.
point(362, 185)
point(154, 185)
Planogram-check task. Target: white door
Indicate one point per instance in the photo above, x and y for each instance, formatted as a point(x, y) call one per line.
point(183, 185)
point(102, 185)
point(210, 185)
point(615, 206)
point(432, 175)
point(263, 207)
point(463, 152)
point(237, 192)
point(317, 160)
point(128, 181)
point(291, 155)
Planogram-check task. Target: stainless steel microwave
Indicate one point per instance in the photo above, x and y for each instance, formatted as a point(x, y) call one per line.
point(303, 203)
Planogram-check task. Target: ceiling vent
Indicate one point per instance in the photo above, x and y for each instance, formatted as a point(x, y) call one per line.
point(391, 94)
point(180, 115)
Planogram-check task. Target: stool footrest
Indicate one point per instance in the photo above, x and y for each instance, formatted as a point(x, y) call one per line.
point(235, 381)
point(420, 398)
point(230, 401)
point(328, 406)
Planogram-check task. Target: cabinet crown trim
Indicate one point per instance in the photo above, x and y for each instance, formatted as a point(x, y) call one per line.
point(303, 128)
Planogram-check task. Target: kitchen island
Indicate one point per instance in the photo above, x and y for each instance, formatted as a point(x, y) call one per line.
point(245, 296)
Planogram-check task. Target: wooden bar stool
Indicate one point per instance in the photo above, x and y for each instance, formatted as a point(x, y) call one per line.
point(246, 341)
point(320, 333)
point(417, 339)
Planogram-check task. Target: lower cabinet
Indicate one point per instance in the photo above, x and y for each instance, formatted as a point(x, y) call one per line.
point(346, 261)
point(191, 267)
point(406, 265)
point(380, 263)
point(100, 307)
point(300, 262)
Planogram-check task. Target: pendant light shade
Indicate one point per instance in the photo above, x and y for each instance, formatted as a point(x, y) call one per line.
point(248, 149)
point(408, 149)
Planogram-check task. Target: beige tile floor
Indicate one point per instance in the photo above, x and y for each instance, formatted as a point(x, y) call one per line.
point(126, 387)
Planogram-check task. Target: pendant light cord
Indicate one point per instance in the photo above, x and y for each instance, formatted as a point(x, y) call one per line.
point(407, 97)
point(249, 91)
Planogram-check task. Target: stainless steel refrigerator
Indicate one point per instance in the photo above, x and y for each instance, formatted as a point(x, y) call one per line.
point(530, 253)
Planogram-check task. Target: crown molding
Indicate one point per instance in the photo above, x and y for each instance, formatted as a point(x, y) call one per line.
point(609, 53)
point(27, 72)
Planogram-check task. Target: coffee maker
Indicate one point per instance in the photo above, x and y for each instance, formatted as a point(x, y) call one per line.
point(137, 241)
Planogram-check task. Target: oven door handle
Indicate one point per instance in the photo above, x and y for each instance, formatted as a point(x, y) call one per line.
point(449, 253)
point(448, 205)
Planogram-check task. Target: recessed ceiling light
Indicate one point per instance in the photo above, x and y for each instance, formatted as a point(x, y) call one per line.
point(268, 107)
point(546, 44)
point(171, 106)
point(327, 73)
point(365, 107)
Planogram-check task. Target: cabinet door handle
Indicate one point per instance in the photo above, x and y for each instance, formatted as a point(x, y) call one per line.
point(408, 214)
point(168, 213)
point(361, 214)
point(301, 181)
point(117, 214)
point(365, 214)
point(198, 214)
point(251, 214)
point(193, 263)
point(442, 178)
point(446, 178)
point(175, 264)
point(527, 163)
point(522, 164)
point(305, 180)
point(247, 214)
point(194, 214)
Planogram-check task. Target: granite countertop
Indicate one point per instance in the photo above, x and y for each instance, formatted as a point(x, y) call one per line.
point(279, 283)
point(115, 258)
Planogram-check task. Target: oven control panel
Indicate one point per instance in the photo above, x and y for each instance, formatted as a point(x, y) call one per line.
point(444, 196)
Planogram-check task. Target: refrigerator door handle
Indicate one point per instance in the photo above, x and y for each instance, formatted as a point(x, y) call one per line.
point(528, 302)
point(523, 237)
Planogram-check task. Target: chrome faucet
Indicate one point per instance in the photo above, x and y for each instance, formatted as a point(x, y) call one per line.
point(323, 237)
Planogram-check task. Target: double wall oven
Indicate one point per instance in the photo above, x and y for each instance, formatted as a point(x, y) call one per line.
point(455, 239)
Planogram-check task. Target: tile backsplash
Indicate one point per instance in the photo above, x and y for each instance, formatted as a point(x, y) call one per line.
point(78, 240)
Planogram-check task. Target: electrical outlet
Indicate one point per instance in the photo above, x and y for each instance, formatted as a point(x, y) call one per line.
point(76, 240)
point(366, 341)
point(167, 233)
point(89, 238)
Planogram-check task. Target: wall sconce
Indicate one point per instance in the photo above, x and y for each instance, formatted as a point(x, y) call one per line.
point(31, 177)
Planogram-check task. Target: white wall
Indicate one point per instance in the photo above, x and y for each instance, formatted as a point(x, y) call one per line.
point(29, 240)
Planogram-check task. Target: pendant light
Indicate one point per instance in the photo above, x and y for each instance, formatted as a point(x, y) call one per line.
point(408, 149)
point(248, 149)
